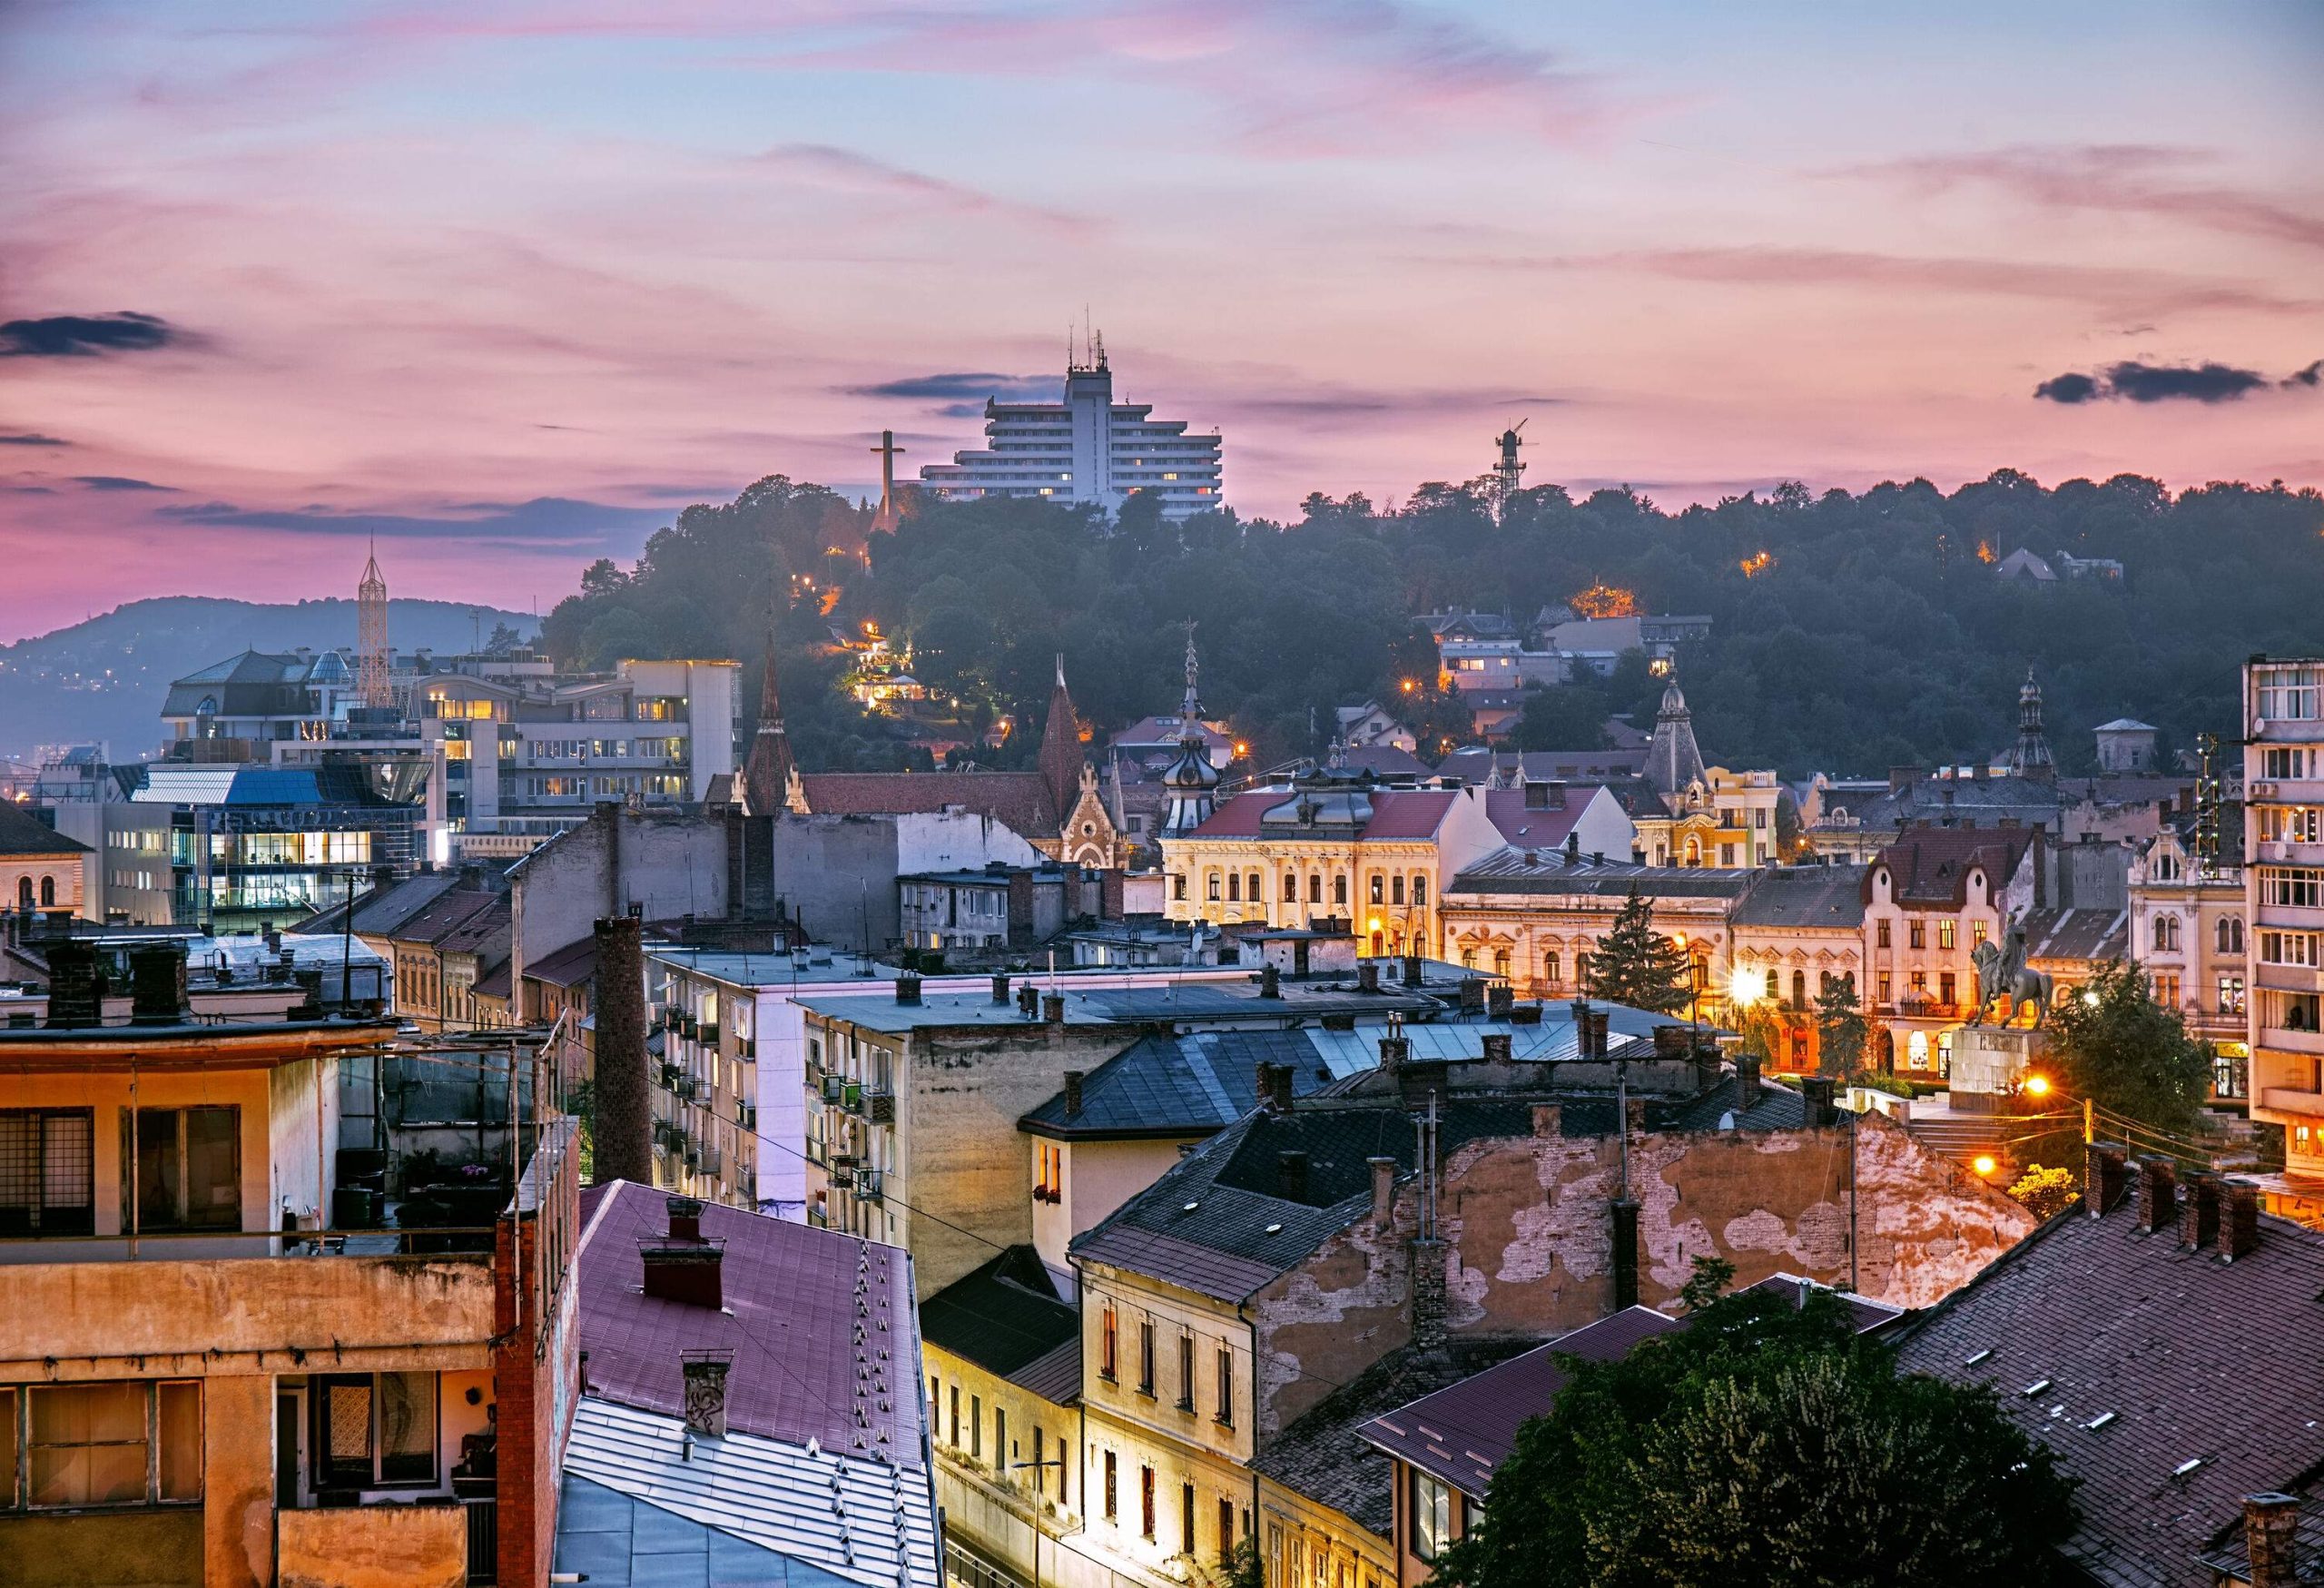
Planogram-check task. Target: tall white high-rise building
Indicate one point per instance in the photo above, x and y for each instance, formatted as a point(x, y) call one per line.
point(1086, 449)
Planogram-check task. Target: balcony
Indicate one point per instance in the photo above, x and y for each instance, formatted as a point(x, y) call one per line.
point(706, 1033)
point(427, 1542)
point(869, 1184)
point(2291, 1101)
point(852, 1097)
point(881, 1107)
point(746, 1114)
point(834, 1089)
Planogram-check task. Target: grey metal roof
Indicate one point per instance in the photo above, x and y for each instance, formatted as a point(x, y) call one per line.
point(1191, 1000)
point(2077, 934)
point(842, 1517)
point(1805, 897)
point(1507, 871)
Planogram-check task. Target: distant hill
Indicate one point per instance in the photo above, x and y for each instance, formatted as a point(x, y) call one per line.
point(104, 679)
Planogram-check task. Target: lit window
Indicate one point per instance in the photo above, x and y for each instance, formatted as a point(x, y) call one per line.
point(1432, 1512)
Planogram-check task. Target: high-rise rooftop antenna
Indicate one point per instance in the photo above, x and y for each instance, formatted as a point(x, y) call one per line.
point(371, 635)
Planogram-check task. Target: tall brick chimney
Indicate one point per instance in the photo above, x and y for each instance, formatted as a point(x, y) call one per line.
point(2105, 1175)
point(2199, 1200)
point(1498, 1047)
point(2158, 1194)
point(157, 984)
point(1412, 969)
point(1072, 1093)
point(2271, 1538)
point(76, 985)
point(1747, 1080)
point(1000, 986)
point(2238, 1221)
point(623, 1135)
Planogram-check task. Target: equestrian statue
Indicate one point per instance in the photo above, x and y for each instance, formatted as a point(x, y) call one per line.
point(2002, 973)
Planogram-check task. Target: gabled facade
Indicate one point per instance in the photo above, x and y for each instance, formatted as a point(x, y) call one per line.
point(1931, 898)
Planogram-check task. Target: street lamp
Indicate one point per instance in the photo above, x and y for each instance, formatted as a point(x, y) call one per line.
point(1984, 1163)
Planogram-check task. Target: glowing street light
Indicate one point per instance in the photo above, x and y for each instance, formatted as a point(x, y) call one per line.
point(1985, 1164)
point(2037, 1085)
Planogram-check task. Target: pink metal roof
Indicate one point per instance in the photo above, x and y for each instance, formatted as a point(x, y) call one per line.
point(1397, 814)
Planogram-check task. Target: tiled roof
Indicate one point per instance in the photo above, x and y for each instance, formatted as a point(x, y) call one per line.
point(1984, 799)
point(645, 1504)
point(383, 911)
point(791, 1306)
point(1018, 800)
point(1325, 1456)
point(1506, 870)
point(481, 932)
point(447, 913)
point(1005, 1317)
point(22, 833)
point(2094, 935)
point(1463, 1431)
point(1474, 766)
point(569, 966)
point(1930, 866)
point(2185, 1358)
point(1805, 897)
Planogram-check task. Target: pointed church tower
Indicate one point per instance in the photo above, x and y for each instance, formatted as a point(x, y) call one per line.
point(1060, 758)
point(2031, 755)
point(1192, 780)
point(1672, 760)
point(767, 774)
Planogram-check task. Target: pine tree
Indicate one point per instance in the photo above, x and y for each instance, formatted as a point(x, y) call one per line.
point(1637, 966)
point(1841, 1030)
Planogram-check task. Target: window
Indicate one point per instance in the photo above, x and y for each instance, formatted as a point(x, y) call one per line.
point(183, 1169)
point(1000, 1452)
point(2289, 761)
point(1226, 1387)
point(1234, 888)
point(1339, 890)
point(1186, 1373)
point(2291, 824)
point(136, 1442)
point(1420, 890)
point(1111, 1513)
point(1177, 885)
point(976, 1425)
point(1225, 1531)
point(1314, 890)
point(1977, 934)
point(374, 1430)
point(1395, 890)
point(1759, 820)
point(1145, 1502)
point(1881, 986)
point(1549, 968)
point(1146, 1357)
point(1946, 986)
point(1187, 1519)
point(1251, 892)
point(1881, 935)
point(1431, 1508)
point(1379, 889)
point(2291, 887)
point(2230, 934)
point(1799, 989)
point(1917, 934)
point(2291, 948)
point(2230, 995)
point(2290, 1012)
point(1290, 889)
point(1920, 983)
point(24, 894)
point(2166, 933)
point(1211, 887)
point(1945, 930)
point(2290, 693)
point(48, 1176)
point(1109, 1364)
point(956, 1417)
point(47, 891)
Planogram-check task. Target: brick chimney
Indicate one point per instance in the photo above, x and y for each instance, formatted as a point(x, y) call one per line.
point(1384, 1191)
point(1393, 1052)
point(625, 1122)
point(1500, 999)
point(76, 985)
point(704, 1376)
point(1072, 1093)
point(1053, 1009)
point(157, 984)
point(1428, 1294)
point(2238, 1221)
point(1747, 1080)
point(1472, 994)
point(2105, 1175)
point(2199, 1200)
point(1274, 1087)
point(1001, 987)
point(2158, 1194)
point(1412, 969)
point(1291, 1176)
point(1270, 982)
point(1821, 1110)
point(686, 1217)
point(2271, 1538)
point(907, 988)
point(1581, 1028)
point(1367, 976)
point(683, 1271)
point(1498, 1047)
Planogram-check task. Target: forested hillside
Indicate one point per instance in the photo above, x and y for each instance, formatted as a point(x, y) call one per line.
point(1853, 632)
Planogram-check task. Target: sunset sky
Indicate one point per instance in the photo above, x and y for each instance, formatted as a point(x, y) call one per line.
point(507, 284)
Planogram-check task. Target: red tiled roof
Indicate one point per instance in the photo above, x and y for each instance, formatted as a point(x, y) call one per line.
point(1930, 866)
point(1018, 800)
point(789, 1317)
point(569, 966)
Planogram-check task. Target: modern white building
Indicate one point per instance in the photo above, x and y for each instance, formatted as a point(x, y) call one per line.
point(2283, 881)
point(1086, 449)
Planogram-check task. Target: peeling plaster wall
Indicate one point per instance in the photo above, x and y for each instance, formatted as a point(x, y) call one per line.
point(1528, 1240)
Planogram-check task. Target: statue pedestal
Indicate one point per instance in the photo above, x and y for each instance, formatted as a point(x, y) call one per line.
point(1988, 1063)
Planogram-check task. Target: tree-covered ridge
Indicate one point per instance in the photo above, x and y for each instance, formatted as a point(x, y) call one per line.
point(1852, 632)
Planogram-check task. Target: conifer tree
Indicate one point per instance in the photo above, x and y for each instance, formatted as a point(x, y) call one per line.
point(1638, 966)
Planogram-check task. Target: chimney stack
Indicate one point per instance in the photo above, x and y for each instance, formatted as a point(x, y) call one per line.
point(1393, 1052)
point(624, 1121)
point(1500, 999)
point(1072, 1093)
point(1412, 969)
point(2238, 1221)
point(1747, 1080)
point(907, 987)
point(1001, 987)
point(2158, 1193)
point(77, 986)
point(2199, 1210)
point(1472, 994)
point(1582, 1025)
point(1384, 1191)
point(1053, 1009)
point(2105, 1175)
point(1270, 982)
point(686, 1271)
point(1822, 1110)
point(1274, 1087)
point(2271, 1538)
point(703, 1374)
point(1498, 1048)
point(1291, 1176)
point(1367, 976)
point(1029, 1000)
point(686, 1217)
point(157, 984)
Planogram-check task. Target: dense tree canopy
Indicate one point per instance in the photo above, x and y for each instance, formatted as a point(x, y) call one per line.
point(1767, 1444)
point(1851, 632)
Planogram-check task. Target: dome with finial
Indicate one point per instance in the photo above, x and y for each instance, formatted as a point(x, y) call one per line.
point(1673, 761)
point(1191, 778)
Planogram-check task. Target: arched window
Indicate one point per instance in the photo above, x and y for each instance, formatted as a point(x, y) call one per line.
point(1315, 888)
point(1501, 961)
point(1549, 968)
point(2166, 867)
point(1379, 889)
point(1290, 888)
point(1252, 891)
point(24, 893)
point(2166, 933)
point(2230, 934)
point(47, 891)
point(1799, 989)
point(1395, 890)
point(1420, 890)
point(1234, 888)
point(1210, 887)
point(1917, 1047)
point(1339, 889)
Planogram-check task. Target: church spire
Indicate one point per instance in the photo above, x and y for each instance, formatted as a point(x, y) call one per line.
point(766, 776)
point(1060, 758)
point(1672, 758)
point(1191, 778)
point(2031, 757)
